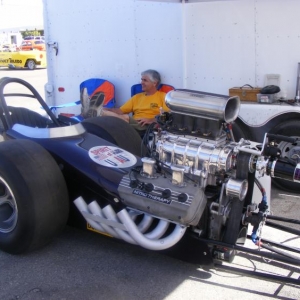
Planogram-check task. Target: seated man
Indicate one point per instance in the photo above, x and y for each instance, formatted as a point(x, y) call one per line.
point(144, 106)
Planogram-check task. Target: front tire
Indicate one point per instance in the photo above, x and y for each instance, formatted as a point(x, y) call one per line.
point(34, 202)
point(31, 65)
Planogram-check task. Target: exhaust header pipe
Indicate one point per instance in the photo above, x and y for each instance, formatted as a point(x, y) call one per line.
point(121, 225)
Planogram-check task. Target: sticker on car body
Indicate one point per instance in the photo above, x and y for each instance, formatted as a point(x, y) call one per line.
point(113, 157)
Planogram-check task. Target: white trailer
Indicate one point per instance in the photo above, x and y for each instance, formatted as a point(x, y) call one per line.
point(207, 46)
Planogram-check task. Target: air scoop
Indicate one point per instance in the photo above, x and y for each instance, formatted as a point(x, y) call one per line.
point(203, 105)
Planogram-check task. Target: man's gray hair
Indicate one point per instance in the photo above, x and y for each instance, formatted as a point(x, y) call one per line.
point(153, 75)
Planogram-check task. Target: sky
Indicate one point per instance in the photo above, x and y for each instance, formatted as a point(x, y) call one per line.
point(21, 13)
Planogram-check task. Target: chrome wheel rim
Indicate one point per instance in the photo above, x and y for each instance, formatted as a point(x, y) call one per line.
point(31, 65)
point(8, 208)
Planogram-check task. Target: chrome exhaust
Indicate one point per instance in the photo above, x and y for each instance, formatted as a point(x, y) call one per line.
point(159, 244)
point(122, 226)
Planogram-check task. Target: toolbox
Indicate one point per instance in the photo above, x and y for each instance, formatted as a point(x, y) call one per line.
point(245, 92)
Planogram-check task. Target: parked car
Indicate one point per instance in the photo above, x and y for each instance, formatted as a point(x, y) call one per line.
point(8, 48)
point(32, 37)
point(33, 44)
point(26, 59)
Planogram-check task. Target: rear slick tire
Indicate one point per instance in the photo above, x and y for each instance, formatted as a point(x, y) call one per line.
point(34, 203)
point(115, 131)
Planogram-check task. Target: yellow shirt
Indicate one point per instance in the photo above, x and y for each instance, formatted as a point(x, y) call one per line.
point(143, 106)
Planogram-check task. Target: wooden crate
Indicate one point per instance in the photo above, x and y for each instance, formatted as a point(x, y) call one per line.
point(245, 92)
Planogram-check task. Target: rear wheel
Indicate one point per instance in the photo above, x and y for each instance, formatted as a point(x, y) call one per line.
point(34, 202)
point(291, 151)
point(31, 65)
point(115, 131)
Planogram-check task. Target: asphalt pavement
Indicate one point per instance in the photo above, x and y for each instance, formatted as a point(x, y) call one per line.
point(86, 265)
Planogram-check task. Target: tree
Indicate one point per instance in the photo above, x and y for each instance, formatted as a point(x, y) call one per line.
point(32, 33)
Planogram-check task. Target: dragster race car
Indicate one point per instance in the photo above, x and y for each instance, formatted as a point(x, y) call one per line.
point(185, 188)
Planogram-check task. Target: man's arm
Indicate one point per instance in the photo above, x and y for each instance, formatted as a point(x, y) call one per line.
point(115, 110)
point(145, 121)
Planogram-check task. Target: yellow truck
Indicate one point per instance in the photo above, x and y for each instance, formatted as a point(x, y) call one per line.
point(23, 59)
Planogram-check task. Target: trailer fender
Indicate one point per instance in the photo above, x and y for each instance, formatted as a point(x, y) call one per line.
point(257, 115)
point(254, 123)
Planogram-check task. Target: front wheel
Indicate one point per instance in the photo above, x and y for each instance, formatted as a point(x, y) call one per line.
point(34, 201)
point(31, 65)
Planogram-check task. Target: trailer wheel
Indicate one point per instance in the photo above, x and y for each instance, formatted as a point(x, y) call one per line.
point(34, 201)
point(115, 131)
point(31, 65)
point(292, 151)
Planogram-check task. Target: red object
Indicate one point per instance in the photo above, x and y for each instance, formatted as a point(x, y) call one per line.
point(67, 115)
